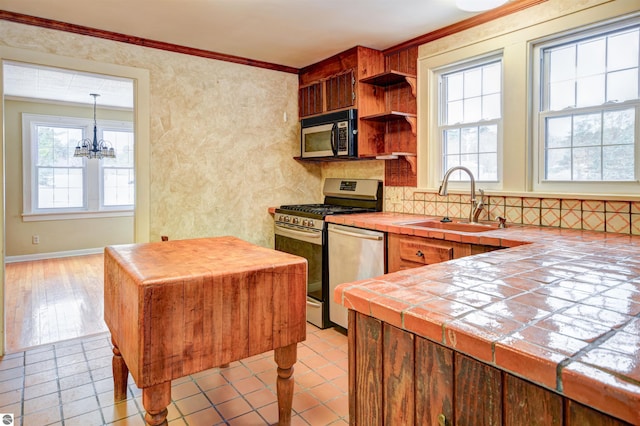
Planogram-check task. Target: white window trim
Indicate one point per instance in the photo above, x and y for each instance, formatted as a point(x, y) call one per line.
point(40, 217)
point(538, 183)
point(435, 149)
point(106, 125)
point(512, 34)
point(92, 206)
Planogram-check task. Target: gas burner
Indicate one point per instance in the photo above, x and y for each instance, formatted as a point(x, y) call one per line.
point(321, 210)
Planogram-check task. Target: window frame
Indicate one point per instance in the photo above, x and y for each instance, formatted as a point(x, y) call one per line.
point(92, 171)
point(438, 151)
point(539, 74)
point(113, 126)
point(514, 36)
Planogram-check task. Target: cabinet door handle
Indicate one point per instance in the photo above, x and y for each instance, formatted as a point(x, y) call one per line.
point(442, 420)
point(419, 253)
point(357, 235)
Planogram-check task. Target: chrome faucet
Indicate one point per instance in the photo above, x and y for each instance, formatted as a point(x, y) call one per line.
point(476, 205)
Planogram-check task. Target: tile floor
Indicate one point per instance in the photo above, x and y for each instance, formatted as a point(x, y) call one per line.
point(70, 383)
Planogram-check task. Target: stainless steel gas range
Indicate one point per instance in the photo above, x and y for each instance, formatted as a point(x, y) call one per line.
point(301, 230)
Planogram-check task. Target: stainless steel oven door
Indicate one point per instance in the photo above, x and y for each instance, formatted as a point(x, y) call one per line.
point(308, 244)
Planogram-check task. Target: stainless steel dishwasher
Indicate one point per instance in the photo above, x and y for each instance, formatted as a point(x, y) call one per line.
point(354, 254)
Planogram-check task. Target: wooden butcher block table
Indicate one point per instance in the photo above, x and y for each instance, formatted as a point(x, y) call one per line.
point(178, 307)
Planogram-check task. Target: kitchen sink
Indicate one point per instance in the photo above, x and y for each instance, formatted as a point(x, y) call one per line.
point(453, 226)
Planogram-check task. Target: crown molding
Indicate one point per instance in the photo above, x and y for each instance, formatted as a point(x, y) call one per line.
point(490, 15)
point(138, 41)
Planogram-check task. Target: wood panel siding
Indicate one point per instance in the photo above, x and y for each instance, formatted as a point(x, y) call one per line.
point(402, 378)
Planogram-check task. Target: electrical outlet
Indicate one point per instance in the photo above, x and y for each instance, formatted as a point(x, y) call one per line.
point(35, 239)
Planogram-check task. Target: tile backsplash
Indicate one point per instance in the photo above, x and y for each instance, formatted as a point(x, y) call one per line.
point(610, 216)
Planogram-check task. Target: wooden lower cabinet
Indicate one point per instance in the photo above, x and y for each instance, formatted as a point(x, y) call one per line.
point(398, 378)
point(478, 393)
point(367, 395)
point(408, 251)
point(434, 384)
point(525, 401)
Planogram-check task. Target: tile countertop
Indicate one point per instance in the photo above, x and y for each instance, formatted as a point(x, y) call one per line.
point(559, 307)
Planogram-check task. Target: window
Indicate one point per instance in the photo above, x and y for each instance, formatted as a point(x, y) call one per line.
point(117, 173)
point(59, 176)
point(470, 118)
point(588, 109)
point(57, 183)
point(567, 95)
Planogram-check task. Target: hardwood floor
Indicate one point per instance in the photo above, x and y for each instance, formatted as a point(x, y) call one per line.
point(51, 300)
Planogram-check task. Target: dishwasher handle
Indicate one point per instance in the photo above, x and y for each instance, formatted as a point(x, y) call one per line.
point(313, 304)
point(356, 235)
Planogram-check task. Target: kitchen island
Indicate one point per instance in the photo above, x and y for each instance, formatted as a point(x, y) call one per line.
point(545, 331)
point(179, 307)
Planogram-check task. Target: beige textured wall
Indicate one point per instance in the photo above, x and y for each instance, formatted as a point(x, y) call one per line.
point(365, 169)
point(220, 149)
point(54, 235)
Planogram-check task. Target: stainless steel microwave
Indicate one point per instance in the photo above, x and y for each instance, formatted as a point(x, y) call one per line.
point(330, 135)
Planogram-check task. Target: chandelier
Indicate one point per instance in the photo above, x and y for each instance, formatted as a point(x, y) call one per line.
point(94, 148)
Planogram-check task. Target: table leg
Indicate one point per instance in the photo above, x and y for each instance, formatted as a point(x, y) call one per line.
point(285, 357)
point(120, 374)
point(155, 400)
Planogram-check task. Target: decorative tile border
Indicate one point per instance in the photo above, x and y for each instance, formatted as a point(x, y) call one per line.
point(611, 216)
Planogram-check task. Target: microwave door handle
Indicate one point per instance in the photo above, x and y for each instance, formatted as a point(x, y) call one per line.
point(334, 139)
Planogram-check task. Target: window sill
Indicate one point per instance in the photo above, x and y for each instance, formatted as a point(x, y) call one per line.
point(559, 195)
point(40, 217)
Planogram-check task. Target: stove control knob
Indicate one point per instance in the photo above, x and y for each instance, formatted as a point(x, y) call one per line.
point(295, 221)
point(310, 223)
point(287, 219)
point(305, 222)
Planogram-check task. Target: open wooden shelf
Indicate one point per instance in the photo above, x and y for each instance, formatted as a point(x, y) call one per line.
point(394, 115)
point(332, 159)
point(409, 156)
point(388, 115)
point(389, 78)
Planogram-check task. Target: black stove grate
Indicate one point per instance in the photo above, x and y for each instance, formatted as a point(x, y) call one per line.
point(322, 210)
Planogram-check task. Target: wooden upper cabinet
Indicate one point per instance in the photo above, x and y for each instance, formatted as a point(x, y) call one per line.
point(380, 86)
point(340, 91)
point(310, 100)
point(331, 94)
point(337, 77)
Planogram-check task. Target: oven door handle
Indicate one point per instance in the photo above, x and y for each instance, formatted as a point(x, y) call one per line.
point(313, 304)
point(306, 234)
point(357, 235)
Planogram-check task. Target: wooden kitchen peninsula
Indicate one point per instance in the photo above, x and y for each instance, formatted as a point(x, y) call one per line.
point(544, 332)
point(179, 307)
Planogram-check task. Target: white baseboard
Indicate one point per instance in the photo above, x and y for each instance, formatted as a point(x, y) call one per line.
point(54, 255)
